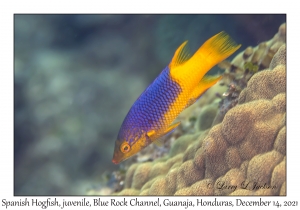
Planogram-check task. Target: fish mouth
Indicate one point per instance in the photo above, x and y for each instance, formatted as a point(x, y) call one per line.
point(115, 161)
point(117, 158)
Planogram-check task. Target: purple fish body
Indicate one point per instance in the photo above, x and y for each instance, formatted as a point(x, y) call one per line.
point(149, 109)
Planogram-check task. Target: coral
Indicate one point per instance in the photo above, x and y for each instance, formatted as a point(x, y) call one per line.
point(262, 54)
point(266, 85)
point(242, 192)
point(129, 174)
point(280, 142)
point(283, 189)
point(261, 166)
point(140, 176)
point(206, 116)
point(171, 180)
point(158, 187)
point(158, 169)
point(227, 183)
point(187, 174)
point(279, 58)
point(233, 157)
point(278, 176)
point(182, 143)
point(192, 149)
point(243, 154)
point(203, 187)
point(245, 65)
point(129, 192)
point(214, 152)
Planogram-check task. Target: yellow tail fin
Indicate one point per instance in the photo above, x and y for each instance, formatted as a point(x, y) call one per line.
point(215, 49)
point(212, 52)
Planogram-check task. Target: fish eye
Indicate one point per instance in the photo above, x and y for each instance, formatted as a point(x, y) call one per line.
point(125, 147)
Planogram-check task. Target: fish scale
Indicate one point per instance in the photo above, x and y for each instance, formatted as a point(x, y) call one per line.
point(147, 112)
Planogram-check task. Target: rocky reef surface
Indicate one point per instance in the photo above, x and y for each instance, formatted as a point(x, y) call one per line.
point(239, 151)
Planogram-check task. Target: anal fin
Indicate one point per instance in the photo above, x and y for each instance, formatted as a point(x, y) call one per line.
point(204, 84)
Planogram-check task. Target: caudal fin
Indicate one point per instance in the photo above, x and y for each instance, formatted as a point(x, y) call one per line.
point(215, 50)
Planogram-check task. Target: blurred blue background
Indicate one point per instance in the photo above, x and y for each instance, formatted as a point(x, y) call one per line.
point(76, 77)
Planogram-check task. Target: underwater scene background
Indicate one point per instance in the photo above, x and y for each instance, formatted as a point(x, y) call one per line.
point(76, 77)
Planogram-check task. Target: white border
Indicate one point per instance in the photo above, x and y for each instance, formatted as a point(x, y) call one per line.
point(8, 8)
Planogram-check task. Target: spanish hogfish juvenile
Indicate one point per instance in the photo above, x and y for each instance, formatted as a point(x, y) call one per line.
point(177, 87)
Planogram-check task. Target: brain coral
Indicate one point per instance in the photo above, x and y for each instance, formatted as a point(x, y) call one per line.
point(245, 154)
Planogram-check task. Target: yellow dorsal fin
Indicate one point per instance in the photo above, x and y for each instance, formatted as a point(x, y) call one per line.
point(181, 55)
point(204, 84)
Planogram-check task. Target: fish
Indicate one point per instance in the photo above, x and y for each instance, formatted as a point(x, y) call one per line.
point(178, 86)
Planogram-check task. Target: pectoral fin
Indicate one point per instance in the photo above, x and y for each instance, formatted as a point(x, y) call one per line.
point(171, 128)
point(159, 141)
